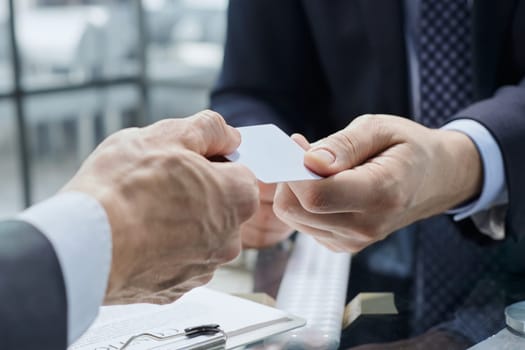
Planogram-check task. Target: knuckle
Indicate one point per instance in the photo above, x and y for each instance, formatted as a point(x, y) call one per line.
point(248, 208)
point(347, 246)
point(379, 125)
point(213, 115)
point(378, 202)
point(205, 279)
point(247, 193)
point(354, 242)
point(367, 119)
point(315, 200)
point(346, 140)
point(209, 119)
point(177, 162)
point(371, 232)
point(120, 136)
point(368, 233)
point(397, 201)
point(279, 207)
point(128, 131)
point(246, 175)
point(332, 247)
point(165, 129)
point(164, 123)
point(373, 122)
point(190, 136)
point(204, 129)
point(346, 143)
point(389, 196)
point(354, 247)
point(283, 208)
point(379, 198)
point(230, 253)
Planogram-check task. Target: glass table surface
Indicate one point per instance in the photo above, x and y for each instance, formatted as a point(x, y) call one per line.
point(469, 322)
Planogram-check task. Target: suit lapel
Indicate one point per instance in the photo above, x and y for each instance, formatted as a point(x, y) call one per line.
point(491, 20)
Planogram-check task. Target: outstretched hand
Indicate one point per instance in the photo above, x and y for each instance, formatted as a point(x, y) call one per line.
point(382, 173)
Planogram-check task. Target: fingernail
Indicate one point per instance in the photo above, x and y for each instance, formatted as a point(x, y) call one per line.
point(323, 155)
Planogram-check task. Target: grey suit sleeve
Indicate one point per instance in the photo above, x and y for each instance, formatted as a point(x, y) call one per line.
point(504, 116)
point(33, 307)
point(78, 228)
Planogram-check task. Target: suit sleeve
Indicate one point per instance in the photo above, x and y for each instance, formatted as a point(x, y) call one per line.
point(270, 69)
point(78, 229)
point(504, 116)
point(54, 266)
point(33, 306)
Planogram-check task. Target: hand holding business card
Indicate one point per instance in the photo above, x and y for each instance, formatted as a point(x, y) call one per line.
point(271, 155)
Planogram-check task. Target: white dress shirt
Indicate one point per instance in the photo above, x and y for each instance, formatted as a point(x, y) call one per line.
point(79, 231)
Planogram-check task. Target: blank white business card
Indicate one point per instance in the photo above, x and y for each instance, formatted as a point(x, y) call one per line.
point(271, 155)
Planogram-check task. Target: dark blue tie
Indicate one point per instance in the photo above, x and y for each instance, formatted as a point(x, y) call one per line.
point(451, 271)
point(445, 58)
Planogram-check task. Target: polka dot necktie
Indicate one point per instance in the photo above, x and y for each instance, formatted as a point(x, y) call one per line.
point(445, 59)
point(449, 267)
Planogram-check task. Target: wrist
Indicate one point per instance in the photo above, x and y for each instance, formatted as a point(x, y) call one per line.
point(464, 167)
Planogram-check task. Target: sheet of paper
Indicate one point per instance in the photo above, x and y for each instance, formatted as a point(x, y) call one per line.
point(271, 155)
point(116, 324)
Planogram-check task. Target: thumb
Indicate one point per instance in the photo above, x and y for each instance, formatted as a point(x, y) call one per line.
point(347, 148)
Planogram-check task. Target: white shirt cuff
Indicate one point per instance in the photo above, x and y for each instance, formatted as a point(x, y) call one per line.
point(78, 229)
point(494, 191)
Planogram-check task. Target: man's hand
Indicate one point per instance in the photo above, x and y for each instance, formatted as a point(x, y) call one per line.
point(383, 173)
point(264, 229)
point(174, 215)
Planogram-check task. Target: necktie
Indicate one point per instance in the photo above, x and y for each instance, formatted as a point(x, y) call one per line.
point(450, 270)
point(445, 59)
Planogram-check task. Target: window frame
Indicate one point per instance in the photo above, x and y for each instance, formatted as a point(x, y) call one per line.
point(18, 93)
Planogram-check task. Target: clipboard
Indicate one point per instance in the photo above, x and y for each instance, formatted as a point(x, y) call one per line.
point(202, 319)
point(201, 337)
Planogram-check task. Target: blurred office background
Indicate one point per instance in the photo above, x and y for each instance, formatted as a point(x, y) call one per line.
point(74, 71)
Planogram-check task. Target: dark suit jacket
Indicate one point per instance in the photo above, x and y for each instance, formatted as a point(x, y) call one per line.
point(296, 63)
point(311, 66)
point(33, 308)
